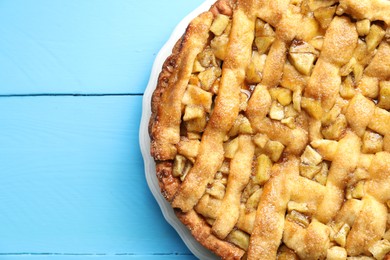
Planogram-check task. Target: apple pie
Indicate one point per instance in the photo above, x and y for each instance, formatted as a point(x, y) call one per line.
point(270, 129)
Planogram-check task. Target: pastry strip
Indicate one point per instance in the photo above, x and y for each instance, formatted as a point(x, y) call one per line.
point(324, 83)
point(273, 69)
point(202, 232)
point(349, 212)
point(344, 163)
point(271, 11)
point(258, 105)
point(240, 171)
point(369, 227)
point(370, 224)
point(367, 9)
point(380, 121)
point(211, 153)
point(379, 185)
point(165, 131)
point(295, 140)
point(313, 193)
point(309, 243)
point(380, 64)
point(275, 12)
point(269, 224)
point(359, 113)
point(209, 208)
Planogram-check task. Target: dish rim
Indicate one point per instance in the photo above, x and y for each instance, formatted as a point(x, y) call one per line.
point(144, 140)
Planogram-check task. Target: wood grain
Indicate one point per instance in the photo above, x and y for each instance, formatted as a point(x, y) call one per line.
point(89, 46)
point(73, 182)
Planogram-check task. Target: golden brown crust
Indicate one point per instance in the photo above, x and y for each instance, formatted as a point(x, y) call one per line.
point(167, 182)
point(221, 120)
point(268, 231)
point(344, 164)
point(162, 83)
point(202, 232)
point(165, 126)
point(370, 9)
point(224, 7)
point(238, 179)
point(321, 120)
point(325, 81)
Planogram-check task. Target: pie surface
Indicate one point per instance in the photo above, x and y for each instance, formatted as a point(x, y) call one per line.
point(270, 129)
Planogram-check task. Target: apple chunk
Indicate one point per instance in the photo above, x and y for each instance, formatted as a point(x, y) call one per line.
point(302, 55)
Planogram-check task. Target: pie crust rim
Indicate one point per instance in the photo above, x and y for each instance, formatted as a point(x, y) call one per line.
point(189, 240)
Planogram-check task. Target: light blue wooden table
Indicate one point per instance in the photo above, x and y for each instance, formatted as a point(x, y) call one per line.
point(72, 76)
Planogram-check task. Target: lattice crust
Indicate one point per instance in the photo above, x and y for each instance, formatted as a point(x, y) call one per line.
point(270, 129)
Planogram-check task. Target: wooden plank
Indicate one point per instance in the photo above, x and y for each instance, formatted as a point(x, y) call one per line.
point(89, 46)
point(100, 257)
point(72, 179)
